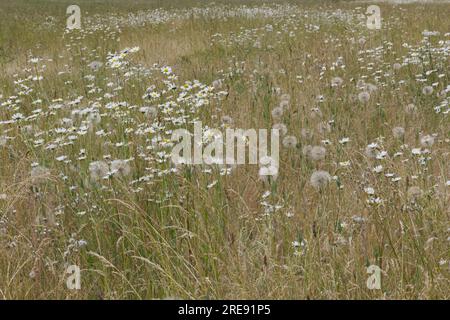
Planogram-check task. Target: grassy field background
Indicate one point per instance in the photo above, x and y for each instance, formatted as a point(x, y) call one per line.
point(153, 230)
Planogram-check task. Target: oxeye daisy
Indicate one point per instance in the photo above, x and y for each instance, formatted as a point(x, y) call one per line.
point(166, 70)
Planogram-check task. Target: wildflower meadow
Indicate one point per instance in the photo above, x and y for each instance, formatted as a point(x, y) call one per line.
point(224, 150)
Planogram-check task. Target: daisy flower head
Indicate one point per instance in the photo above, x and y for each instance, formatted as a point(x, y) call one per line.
point(166, 70)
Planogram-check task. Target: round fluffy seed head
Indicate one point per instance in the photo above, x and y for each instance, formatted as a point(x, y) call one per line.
point(290, 142)
point(149, 111)
point(217, 84)
point(316, 113)
point(364, 96)
point(410, 108)
point(306, 151)
point(284, 104)
point(272, 171)
point(427, 90)
point(398, 132)
point(427, 141)
point(95, 65)
point(414, 193)
point(98, 170)
point(3, 141)
point(324, 127)
point(336, 82)
point(27, 129)
point(306, 133)
point(285, 97)
point(94, 118)
point(227, 120)
point(397, 66)
point(39, 174)
point(371, 87)
point(281, 127)
point(318, 153)
point(120, 168)
point(319, 179)
point(277, 113)
point(371, 152)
